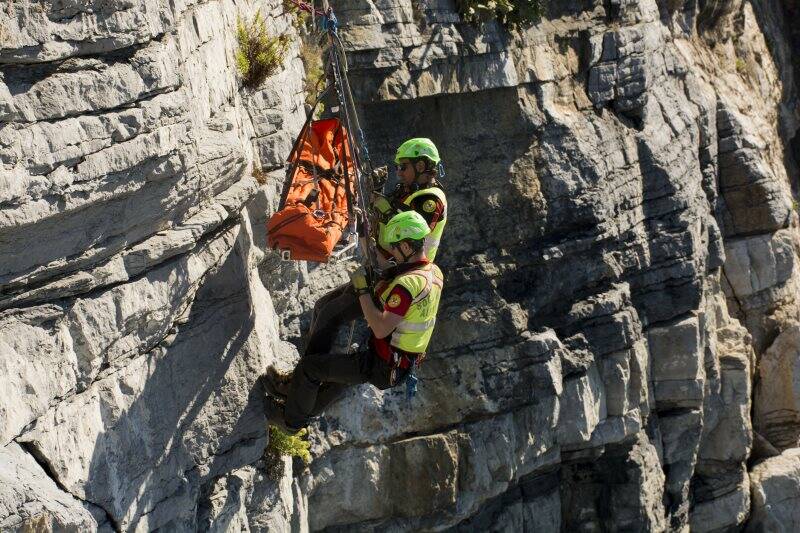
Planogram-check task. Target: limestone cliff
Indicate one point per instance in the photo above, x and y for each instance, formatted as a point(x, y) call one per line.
point(618, 344)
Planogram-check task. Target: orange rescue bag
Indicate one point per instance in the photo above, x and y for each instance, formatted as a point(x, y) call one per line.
point(314, 210)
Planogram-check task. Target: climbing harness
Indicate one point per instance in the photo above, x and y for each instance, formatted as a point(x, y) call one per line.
point(324, 205)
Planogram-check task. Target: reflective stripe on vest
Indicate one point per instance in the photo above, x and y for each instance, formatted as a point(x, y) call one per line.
point(411, 326)
point(425, 286)
point(434, 238)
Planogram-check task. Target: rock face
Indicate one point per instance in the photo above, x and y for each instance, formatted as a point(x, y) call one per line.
point(134, 323)
point(775, 485)
point(777, 399)
point(620, 260)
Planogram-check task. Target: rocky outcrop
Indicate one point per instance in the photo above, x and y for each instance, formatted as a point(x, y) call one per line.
point(775, 485)
point(776, 415)
point(134, 323)
point(620, 261)
point(34, 501)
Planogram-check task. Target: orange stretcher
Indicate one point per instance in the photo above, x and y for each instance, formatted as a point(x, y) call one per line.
point(315, 207)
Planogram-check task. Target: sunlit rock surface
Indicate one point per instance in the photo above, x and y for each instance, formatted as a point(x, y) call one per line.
point(620, 260)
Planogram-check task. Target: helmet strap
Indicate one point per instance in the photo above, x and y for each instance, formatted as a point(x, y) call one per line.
point(429, 173)
point(405, 256)
point(417, 173)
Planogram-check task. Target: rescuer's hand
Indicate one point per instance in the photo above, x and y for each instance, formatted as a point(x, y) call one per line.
point(381, 205)
point(358, 278)
point(379, 176)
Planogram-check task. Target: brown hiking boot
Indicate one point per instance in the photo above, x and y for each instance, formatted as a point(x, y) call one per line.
point(275, 413)
point(276, 384)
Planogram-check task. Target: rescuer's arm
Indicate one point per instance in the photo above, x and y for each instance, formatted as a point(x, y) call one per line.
point(381, 322)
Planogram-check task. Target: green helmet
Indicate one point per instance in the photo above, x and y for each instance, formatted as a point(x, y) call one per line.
point(417, 147)
point(406, 225)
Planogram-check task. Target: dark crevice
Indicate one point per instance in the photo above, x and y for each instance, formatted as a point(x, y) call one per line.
point(668, 322)
point(65, 300)
point(32, 73)
point(733, 293)
point(116, 55)
point(42, 461)
point(100, 112)
point(676, 411)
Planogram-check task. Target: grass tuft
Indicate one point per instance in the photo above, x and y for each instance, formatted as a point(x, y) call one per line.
point(260, 176)
point(311, 51)
point(510, 13)
point(285, 444)
point(311, 55)
point(259, 55)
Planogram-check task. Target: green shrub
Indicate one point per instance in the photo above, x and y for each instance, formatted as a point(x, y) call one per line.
point(259, 55)
point(741, 66)
point(311, 51)
point(509, 13)
point(281, 443)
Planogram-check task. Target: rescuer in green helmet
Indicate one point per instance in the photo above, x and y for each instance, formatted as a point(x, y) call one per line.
point(401, 327)
point(418, 168)
point(418, 190)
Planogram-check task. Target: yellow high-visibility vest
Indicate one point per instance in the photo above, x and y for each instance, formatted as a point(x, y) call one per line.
point(435, 236)
point(425, 286)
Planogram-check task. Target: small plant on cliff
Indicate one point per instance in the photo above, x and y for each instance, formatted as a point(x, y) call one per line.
point(311, 52)
point(260, 176)
point(301, 20)
point(285, 444)
point(741, 66)
point(259, 55)
point(311, 56)
point(509, 13)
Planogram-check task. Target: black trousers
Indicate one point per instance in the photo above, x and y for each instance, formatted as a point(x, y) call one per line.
point(317, 375)
point(331, 311)
point(321, 377)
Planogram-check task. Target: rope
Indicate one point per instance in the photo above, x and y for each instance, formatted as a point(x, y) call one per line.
point(350, 337)
point(305, 6)
point(349, 114)
point(350, 118)
point(348, 96)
